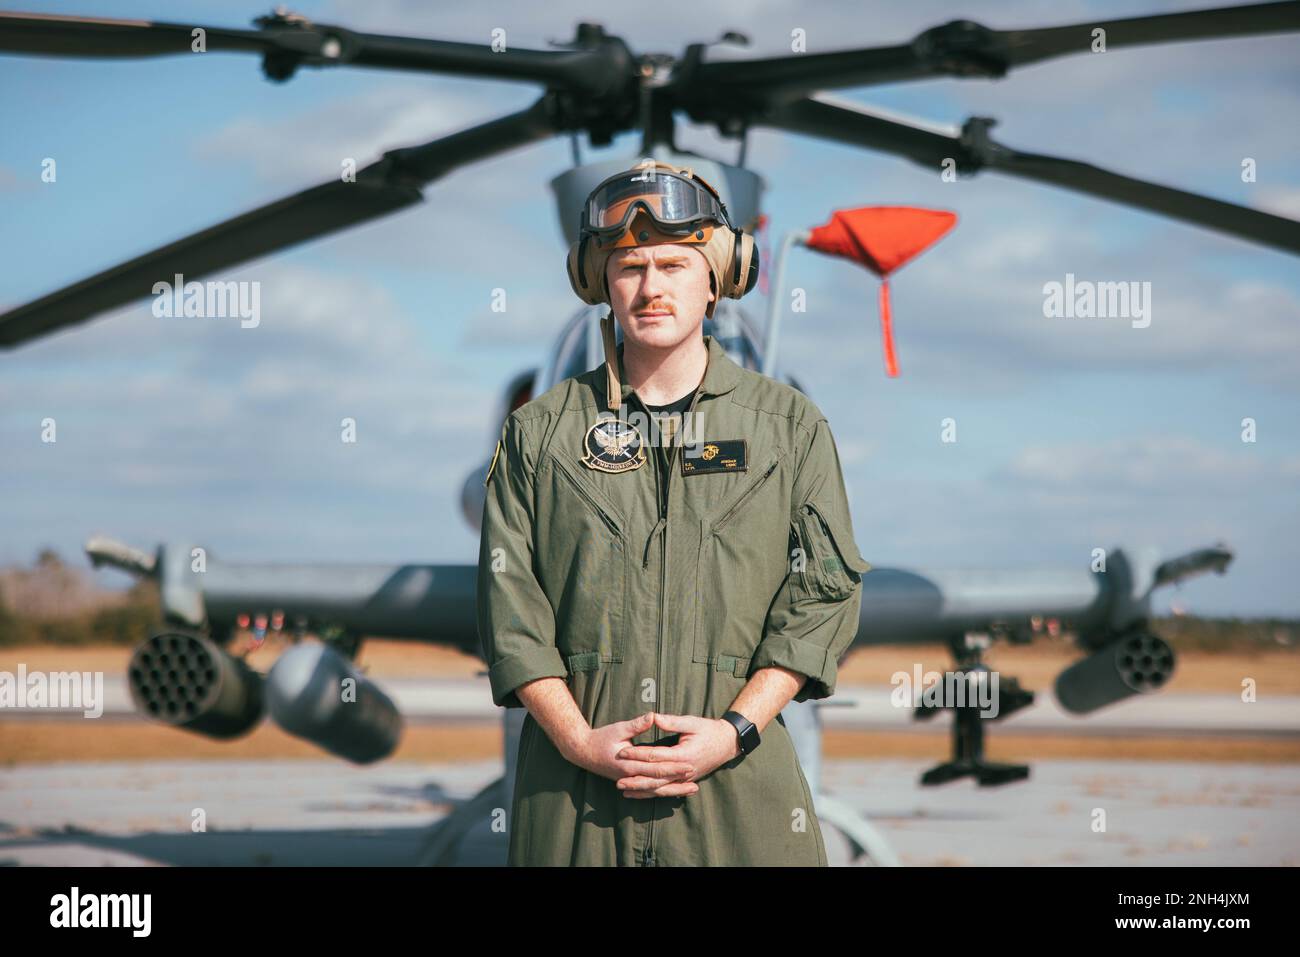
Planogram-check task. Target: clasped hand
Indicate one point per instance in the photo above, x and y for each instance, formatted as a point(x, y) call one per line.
point(646, 770)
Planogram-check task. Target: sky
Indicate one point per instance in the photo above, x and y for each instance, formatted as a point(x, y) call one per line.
point(1071, 433)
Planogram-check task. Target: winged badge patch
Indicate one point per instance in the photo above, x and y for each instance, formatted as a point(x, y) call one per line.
point(613, 446)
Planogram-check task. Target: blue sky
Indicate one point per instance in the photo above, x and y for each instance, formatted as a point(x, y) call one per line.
point(1072, 434)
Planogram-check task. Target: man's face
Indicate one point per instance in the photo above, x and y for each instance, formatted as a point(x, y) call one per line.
point(659, 293)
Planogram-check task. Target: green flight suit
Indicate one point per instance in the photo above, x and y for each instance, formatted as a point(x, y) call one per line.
point(582, 577)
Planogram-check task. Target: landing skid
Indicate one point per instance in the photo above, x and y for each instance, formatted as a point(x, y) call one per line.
point(865, 839)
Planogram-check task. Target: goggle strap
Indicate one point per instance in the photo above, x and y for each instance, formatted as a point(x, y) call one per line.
point(613, 388)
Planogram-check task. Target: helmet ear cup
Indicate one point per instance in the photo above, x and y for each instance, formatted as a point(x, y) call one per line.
point(750, 258)
point(743, 274)
point(570, 269)
point(586, 285)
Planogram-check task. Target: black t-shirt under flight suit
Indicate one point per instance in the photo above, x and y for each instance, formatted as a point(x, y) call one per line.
point(659, 412)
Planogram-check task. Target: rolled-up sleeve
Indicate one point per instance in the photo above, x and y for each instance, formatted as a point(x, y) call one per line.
point(516, 623)
point(813, 618)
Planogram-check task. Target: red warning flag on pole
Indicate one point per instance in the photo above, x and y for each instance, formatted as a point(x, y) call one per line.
point(882, 238)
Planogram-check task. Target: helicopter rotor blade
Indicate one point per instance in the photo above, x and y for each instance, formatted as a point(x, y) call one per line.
point(48, 34)
point(385, 186)
point(963, 48)
point(974, 150)
point(287, 42)
point(1243, 222)
point(1257, 19)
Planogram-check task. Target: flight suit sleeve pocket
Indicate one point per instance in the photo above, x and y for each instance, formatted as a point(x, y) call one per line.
point(813, 618)
point(827, 565)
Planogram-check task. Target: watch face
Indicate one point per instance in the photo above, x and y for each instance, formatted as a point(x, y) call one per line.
point(749, 739)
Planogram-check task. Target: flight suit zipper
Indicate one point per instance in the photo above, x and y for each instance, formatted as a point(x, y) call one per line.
point(647, 859)
point(749, 492)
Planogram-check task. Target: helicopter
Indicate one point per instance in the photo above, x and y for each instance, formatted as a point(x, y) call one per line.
point(598, 86)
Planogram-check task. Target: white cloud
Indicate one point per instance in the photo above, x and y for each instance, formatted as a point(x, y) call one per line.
point(1146, 464)
point(210, 412)
point(310, 147)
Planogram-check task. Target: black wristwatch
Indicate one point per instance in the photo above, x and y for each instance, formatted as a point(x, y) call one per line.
point(744, 729)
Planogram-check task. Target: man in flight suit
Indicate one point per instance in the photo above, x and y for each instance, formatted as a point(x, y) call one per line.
point(655, 596)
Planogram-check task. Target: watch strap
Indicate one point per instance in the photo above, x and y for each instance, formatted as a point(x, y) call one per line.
point(745, 730)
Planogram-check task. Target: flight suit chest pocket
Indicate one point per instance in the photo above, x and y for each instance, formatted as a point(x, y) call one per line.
point(582, 563)
point(742, 562)
point(825, 563)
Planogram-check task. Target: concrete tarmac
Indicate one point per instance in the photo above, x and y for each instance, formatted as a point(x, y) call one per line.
point(329, 813)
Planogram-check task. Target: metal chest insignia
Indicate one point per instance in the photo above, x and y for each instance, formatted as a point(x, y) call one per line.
point(611, 445)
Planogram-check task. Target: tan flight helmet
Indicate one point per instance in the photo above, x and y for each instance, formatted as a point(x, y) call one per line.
point(648, 204)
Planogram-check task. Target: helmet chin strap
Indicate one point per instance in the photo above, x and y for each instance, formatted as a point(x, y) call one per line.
point(613, 388)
